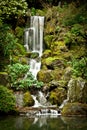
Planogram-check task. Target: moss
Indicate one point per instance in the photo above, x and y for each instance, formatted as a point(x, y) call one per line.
point(56, 74)
point(44, 76)
point(71, 109)
point(49, 60)
point(19, 59)
point(28, 100)
point(54, 62)
point(46, 53)
point(48, 40)
point(57, 96)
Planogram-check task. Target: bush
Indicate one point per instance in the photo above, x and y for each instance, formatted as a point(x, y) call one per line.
point(79, 67)
point(20, 77)
point(75, 36)
point(7, 100)
point(7, 40)
point(13, 8)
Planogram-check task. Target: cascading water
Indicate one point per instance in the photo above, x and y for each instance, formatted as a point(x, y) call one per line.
point(34, 44)
point(34, 41)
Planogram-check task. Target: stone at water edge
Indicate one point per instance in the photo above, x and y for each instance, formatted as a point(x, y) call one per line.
point(71, 109)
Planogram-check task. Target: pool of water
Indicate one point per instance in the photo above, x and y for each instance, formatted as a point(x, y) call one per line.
point(43, 123)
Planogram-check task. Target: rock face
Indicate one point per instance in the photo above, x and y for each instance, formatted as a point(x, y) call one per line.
point(74, 109)
point(23, 99)
point(77, 90)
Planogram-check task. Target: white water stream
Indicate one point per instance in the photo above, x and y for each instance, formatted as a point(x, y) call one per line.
point(34, 41)
point(34, 44)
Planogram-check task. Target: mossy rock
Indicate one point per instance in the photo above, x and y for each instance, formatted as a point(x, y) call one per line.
point(34, 55)
point(28, 54)
point(57, 96)
point(4, 79)
point(67, 74)
point(28, 100)
point(57, 74)
point(53, 62)
point(57, 83)
point(44, 76)
point(46, 53)
point(77, 90)
point(71, 109)
point(48, 75)
point(20, 59)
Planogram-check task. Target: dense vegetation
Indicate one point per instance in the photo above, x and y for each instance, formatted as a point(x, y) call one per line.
point(65, 44)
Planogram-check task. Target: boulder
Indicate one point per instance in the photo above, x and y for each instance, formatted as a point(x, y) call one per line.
point(71, 109)
point(57, 96)
point(44, 76)
point(77, 90)
point(27, 99)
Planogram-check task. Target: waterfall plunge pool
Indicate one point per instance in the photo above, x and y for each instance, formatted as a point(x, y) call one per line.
point(43, 123)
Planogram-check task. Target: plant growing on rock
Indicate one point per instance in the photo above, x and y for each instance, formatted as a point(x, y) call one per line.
point(79, 67)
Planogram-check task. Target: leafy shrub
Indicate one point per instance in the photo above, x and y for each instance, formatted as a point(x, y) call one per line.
point(7, 40)
point(21, 78)
point(79, 67)
point(75, 36)
point(13, 8)
point(73, 14)
point(7, 100)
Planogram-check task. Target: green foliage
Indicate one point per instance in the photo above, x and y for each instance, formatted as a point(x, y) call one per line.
point(79, 67)
point(33, 11)
point(76, 35)
point(19, 49)
point(73, 14)
point(7, 100)
point(12, 8)
point(7, 40)
point(21, 78)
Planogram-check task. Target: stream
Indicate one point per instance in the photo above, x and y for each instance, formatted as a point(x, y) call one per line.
point(43, 123)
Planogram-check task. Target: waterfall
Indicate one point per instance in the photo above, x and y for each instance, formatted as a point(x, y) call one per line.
point(33, 41)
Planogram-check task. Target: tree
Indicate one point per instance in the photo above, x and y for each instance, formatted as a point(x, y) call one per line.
point(12, 8)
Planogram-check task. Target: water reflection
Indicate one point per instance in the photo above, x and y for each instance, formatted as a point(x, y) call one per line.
point(43, 123)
